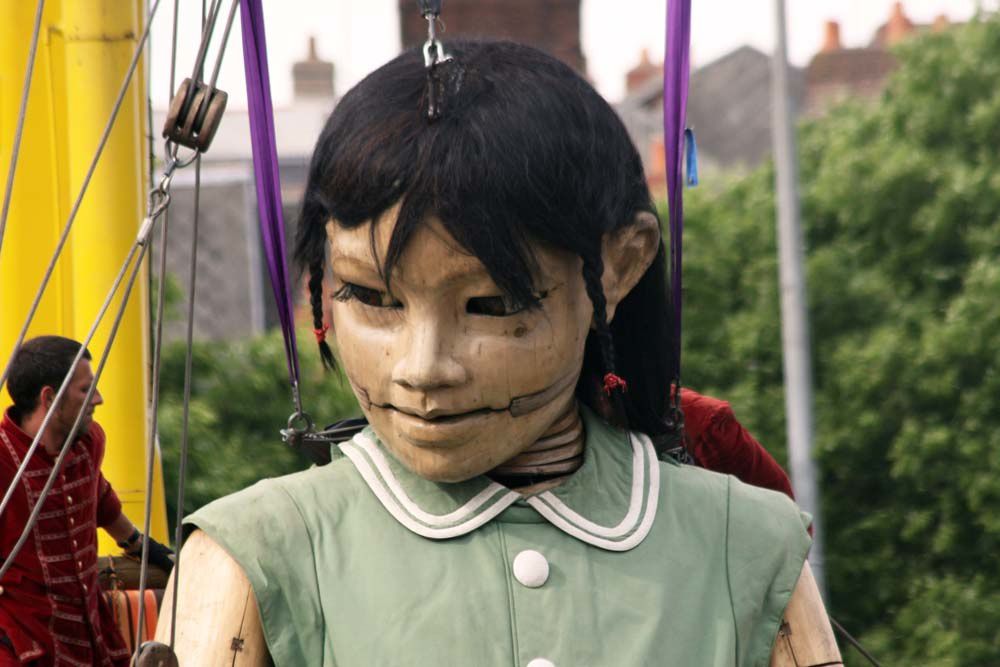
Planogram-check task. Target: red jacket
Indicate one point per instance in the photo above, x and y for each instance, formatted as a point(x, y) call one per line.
point(51, 608)
point(720, 443)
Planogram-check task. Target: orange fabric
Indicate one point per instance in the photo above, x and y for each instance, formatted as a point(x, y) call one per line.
point(152, 614)
point(133, 610)
point(118, 601)
point(126, 608)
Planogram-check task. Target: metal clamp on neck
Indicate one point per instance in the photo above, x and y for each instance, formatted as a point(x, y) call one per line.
point(299, 426)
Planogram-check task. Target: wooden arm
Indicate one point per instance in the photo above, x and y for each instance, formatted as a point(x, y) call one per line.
point(217, 618)
point(806, 637)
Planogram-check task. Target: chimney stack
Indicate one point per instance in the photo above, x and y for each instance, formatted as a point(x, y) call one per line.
point(898, 27)
point(831, 38)
point(642, 72)
point(312, 78)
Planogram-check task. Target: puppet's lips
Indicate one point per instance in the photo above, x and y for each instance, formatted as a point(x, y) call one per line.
point(447, 430)
point(441, 415)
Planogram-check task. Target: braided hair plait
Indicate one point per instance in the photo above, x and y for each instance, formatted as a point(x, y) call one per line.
point(593, 269)
point(316, 301)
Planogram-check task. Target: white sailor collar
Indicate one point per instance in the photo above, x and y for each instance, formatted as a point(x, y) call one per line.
point(610, 502)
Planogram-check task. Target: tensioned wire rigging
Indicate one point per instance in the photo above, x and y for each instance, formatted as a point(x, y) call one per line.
point(21, 115)
point(198, 112)
point(199, 109)
point(55, 257)
point(196, 99)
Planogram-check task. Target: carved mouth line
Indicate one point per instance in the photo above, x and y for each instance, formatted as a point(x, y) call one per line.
point(519, 405)
point(440, 418)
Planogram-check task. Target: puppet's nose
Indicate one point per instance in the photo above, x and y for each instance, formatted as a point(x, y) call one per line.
point(429, 362)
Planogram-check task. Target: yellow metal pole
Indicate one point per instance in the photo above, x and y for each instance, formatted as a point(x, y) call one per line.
point(38, 202)
point(86, 52)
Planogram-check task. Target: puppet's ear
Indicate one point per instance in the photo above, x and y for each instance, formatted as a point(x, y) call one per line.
point(627, 253)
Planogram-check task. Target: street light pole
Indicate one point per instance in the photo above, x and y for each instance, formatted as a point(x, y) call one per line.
point(794, 313)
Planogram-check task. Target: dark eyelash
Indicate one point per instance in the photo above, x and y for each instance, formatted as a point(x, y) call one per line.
point(365, 296)
point(500, 306)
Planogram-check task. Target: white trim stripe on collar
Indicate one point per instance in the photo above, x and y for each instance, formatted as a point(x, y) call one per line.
point(635, 526)
point(371, 464)
point(383, 483)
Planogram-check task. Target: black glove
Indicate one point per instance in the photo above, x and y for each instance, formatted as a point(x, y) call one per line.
point(159, 555)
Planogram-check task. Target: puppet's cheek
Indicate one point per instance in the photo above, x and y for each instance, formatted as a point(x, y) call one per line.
point(366, 352)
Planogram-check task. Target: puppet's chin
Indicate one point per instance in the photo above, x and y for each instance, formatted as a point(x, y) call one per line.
point(458, 447)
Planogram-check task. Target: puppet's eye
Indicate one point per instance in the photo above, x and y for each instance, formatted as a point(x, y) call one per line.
point(500, 306)
point(493, 306)
point(367, 296)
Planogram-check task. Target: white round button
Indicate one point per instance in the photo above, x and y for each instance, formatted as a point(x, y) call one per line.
point(532, 570)
point(541, 662)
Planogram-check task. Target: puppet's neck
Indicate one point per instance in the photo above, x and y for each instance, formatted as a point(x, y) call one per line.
point(547, 463)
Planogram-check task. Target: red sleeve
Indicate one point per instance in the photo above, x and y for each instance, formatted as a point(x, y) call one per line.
point(109, 507)
point(719, 442)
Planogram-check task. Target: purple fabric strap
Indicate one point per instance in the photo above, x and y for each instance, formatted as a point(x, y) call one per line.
point(676, 72)
point(265, 161)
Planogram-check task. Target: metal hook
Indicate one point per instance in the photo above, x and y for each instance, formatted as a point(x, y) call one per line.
point(294, 433)
point(434, 53)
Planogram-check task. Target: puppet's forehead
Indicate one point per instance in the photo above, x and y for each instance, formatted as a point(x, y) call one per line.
point(430, 247)
point(431, 254)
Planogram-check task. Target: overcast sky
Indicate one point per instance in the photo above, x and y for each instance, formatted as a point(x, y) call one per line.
point(359, 35)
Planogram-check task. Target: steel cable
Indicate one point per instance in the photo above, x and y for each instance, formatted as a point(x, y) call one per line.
point(83, 191)
point(154, 409)
point(8, 494)
point(186, 409)
point(182, 465)
point(141, 244)
point(21, 115)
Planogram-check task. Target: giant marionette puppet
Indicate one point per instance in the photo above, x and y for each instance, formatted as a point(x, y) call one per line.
point(500, 308)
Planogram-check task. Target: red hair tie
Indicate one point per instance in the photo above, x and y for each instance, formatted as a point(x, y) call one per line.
point(321, 333)
point(612, 382)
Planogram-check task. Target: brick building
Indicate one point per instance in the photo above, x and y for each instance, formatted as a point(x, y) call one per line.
point(729, 104)
point(550, 25)
point(837, 72)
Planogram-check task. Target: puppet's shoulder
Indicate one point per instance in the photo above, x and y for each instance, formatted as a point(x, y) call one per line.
point(279, 508)
point(757, 509)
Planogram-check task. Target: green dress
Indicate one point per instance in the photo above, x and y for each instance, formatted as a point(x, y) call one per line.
point(632, 561)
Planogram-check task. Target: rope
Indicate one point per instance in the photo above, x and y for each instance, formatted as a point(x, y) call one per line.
point(225, 40)
point(676, 74)
point(21, 115)
point(141, 244)
point(265, 159)
point(188, 356)
point(154, 409)
point(83, 191)
point(186, 409)
point(69, 375)
point(854, 642)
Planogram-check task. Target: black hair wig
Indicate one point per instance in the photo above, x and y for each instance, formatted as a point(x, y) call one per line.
point(521, 149)
point(40, 362)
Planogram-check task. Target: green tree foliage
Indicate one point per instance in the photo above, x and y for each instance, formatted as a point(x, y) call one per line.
point(240, 399)
point(901, 213)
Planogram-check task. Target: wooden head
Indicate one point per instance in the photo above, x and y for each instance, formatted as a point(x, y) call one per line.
point(477, 260)
point(454, 376)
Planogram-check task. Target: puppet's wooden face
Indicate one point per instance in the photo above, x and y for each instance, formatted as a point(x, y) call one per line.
point(452, 378)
